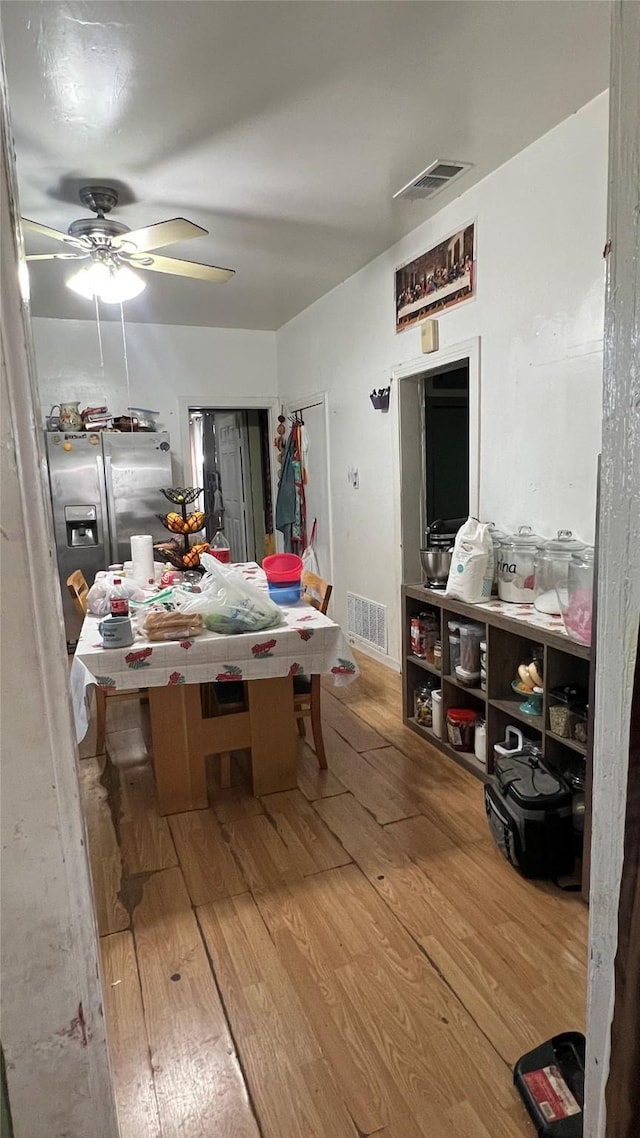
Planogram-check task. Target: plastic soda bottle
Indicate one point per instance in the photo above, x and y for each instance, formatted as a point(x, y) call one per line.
point(220, 548)
point(118, 601)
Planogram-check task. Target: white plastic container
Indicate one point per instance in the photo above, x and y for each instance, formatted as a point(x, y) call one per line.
point(436, 712)
point(470, 637)
point(480, 742)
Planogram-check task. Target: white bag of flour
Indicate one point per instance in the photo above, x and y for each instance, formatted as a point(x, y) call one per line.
point(471, 572)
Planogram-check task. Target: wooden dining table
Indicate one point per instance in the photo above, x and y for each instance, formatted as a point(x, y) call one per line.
point(174, 672)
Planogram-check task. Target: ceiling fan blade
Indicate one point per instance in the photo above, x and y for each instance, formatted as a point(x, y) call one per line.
point(56, 256)
point(185, 269)
point(46, 231)
point(161, 234)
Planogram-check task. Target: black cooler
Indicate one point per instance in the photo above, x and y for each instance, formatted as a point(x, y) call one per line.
point(529, 810)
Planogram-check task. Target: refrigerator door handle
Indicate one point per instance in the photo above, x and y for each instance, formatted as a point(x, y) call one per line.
point(106, 503)
point(111, 508)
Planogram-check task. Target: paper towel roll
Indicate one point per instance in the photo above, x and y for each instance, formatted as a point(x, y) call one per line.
point(142, 558)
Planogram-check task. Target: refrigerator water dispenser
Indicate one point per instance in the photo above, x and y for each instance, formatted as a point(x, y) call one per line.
point(82, 525)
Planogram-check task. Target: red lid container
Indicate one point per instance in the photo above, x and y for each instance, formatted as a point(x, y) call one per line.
point(461, 728)
point(462, 715)
point(283, 567)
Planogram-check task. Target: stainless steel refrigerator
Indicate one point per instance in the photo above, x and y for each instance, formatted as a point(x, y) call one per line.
point(104, 488)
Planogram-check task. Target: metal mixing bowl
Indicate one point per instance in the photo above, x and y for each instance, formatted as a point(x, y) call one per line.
point(436, 563)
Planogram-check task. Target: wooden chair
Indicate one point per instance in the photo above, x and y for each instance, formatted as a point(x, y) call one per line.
point(77, 586)
point(306, 689)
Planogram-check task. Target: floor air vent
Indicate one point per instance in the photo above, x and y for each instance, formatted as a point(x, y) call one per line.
point(430, 181)
point(367, 620)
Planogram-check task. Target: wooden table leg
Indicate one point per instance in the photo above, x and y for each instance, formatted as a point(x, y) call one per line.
point(274, 742)
point(178, 753)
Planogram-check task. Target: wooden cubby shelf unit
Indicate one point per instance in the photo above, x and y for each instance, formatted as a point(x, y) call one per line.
point(510, 640)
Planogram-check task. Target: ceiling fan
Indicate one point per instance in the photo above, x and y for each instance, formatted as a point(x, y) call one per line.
point(114, 251)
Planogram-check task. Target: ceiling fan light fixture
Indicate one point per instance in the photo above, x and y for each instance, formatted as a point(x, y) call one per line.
point(111, 284)
point(123, 284)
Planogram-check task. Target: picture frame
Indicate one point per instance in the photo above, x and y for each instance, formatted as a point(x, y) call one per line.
point(433, 282)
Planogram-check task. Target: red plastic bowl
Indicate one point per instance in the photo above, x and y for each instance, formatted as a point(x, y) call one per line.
point(283, 567)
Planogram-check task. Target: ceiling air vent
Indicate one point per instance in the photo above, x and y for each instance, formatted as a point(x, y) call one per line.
point(430, 181)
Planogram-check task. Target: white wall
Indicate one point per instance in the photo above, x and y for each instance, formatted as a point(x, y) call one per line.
point(166, 363)
point(539, 314)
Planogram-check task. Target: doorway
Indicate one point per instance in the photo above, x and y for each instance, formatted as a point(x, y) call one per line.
point(446, 443)
point(230, 461)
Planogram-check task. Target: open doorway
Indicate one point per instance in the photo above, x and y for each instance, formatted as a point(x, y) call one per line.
point(230, 460)
point(446, 443)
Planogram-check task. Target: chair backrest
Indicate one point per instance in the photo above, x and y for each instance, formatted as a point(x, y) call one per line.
point(317, 591)
point(77, 586)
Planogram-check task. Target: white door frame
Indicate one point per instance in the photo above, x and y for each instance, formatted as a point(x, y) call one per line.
point(320, 399)
point(413, 371)
point(269, 403)
point(456, 353)
point(53, 1030)
point(618, 557)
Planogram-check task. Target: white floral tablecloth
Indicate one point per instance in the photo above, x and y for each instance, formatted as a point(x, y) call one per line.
point(306, 642)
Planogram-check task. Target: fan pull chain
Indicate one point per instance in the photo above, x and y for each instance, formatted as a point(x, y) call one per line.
point(95, 297)
point(126, 362)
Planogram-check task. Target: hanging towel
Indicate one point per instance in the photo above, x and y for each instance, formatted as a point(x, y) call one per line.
point(286, 500)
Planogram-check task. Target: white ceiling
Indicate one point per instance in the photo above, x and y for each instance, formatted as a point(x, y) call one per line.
point(283, 128)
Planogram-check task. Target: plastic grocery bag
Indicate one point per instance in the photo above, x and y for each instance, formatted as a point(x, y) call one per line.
point(99, 595)
point(309, 559)
point(471, 572)
point(227, 602)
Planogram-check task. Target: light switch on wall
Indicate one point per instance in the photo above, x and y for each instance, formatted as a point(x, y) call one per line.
point(354, 478)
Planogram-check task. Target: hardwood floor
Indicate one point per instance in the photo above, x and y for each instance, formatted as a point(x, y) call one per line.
point(346, 959)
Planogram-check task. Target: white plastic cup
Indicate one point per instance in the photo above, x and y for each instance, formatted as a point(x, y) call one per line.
point(436, 712)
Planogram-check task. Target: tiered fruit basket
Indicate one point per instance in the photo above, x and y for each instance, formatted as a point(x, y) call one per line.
point(183, 524)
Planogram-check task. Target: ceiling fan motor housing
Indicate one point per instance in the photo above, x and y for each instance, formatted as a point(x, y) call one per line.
point(97, 227)
point(100, 199)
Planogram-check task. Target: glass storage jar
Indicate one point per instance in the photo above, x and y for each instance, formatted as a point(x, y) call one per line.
point(580, 726)
point(516, 566)
point(422, 706)
point(566, 703)
point(461, 727)
point(577, 602)
point(552, 570)
point(424, 632)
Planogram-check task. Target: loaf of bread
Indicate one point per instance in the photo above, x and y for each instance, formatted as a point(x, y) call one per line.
point(172, 625)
